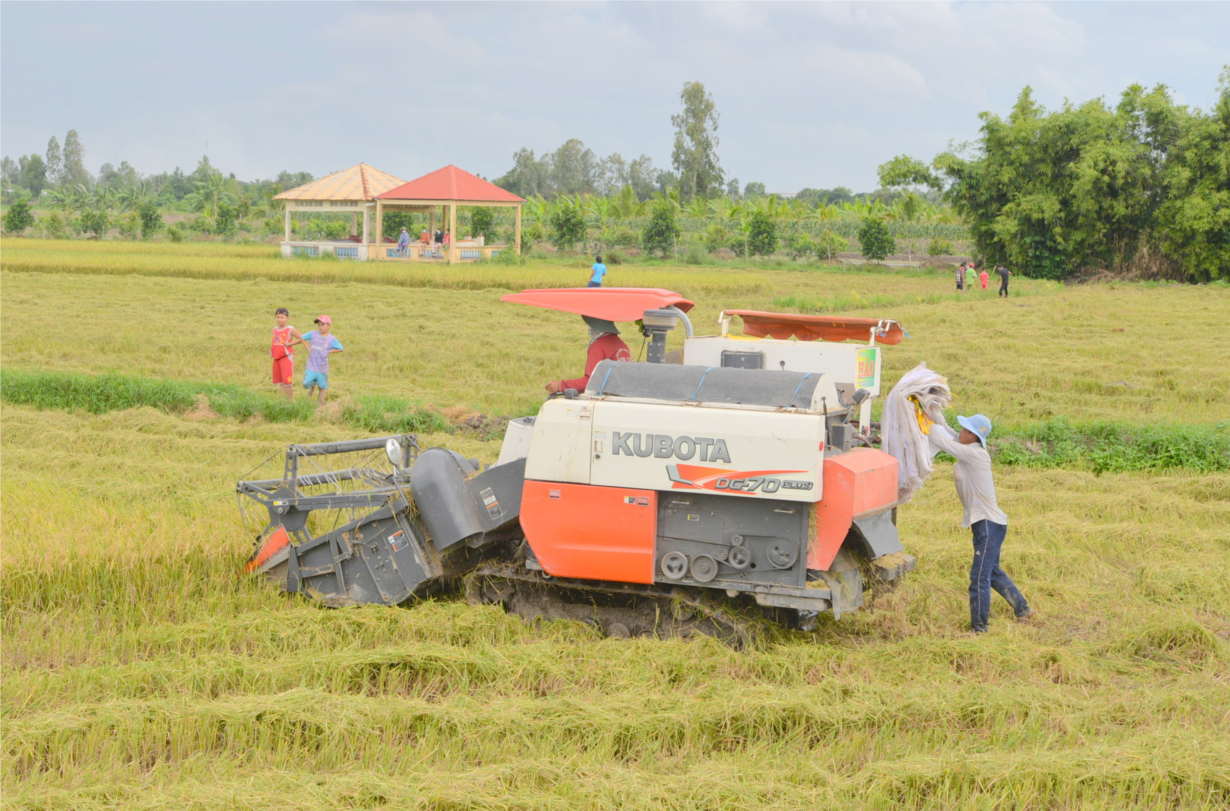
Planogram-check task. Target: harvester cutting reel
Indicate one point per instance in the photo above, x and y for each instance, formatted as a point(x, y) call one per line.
point(355, 534)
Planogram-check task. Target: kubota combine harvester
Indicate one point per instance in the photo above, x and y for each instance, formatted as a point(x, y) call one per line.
point(695, 493)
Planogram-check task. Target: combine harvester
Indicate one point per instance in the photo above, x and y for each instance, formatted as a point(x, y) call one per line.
point(707, 491)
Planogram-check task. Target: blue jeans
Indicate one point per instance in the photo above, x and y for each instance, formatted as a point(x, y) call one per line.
point(985, 574)
point(594, 284)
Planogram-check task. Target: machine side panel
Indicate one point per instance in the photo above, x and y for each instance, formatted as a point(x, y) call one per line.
point(591, 533)
point(559, 448)
point(857, 483)
point(840, 360)
point(727, 452)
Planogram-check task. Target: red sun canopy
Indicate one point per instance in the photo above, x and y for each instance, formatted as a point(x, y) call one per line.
point(818, 327)
point(610, 303)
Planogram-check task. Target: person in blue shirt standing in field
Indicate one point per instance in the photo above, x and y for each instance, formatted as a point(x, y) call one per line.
point(599, 271)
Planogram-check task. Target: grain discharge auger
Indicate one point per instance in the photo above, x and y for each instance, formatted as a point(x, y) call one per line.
point(711, 490)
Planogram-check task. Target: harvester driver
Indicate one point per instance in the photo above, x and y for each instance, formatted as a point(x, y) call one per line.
point(986, 521)
point(604, 344)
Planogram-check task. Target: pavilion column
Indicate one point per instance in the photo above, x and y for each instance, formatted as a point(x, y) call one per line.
point(366, 224)
point(452, 234)
point(287, 209)
point(517, 231)
point(379, 222)
point(431, 226)
point(354, 223)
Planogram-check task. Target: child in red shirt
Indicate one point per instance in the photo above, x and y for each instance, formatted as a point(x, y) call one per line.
point(283, 353)
point(982, 278)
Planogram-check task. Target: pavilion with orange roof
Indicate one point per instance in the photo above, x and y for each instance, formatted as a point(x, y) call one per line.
point(449, 188)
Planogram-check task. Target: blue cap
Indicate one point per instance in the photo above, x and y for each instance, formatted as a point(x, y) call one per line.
point(978, 425)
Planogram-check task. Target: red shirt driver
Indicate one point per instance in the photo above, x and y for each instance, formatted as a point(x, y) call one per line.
point(604, 344)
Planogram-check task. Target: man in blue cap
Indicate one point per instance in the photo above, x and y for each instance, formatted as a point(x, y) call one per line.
point(976, 489)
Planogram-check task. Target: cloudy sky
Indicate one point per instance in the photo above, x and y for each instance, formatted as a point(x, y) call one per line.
point(810, 94)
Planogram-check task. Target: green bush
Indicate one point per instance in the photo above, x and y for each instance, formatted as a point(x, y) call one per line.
point(800, 246)
point(567, 225)
point(151, 219)
point(875, 240)
point(95, 221)
point(830, 243)
point(620, 237)
point(482, 223)
point(224, 221)
point(19, 217)
point(762, 235)
point(175, 233)
point(129, 225)
point(716, 237)
point(662, 230)
point(53, 225)
point(939, 247)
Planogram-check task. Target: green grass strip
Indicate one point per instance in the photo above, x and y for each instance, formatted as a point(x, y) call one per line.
point(1108, 447)
point(98, 394)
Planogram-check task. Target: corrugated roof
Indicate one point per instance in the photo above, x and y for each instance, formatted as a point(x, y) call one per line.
point(451, 183)
point(360, 182)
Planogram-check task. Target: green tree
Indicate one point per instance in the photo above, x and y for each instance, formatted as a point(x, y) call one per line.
point(1194, 221)
point(212, 190)
point(906, 172)
point(829, 243)
point(694, 156)
point(224, 221)
point(74, 173)
point(661, 233)
point(1137, 186)
point(33, 174)
point(55, 163)
point(801, 246)
point(151, 218)
point(762, 233)
point(716, 236)
point(567, 223)
point(753, 190)
point(875, 240)
point(19, 217)
point(482, 222)
point(95, 221)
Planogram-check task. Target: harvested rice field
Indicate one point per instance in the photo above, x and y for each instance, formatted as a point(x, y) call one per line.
point(139, 669)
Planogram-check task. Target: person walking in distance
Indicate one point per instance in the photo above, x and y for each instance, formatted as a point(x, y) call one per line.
point(982, 278)
point(1004, 273)
point(284, 337)
point(599, 271)
point(961, 276)
point(987, 522)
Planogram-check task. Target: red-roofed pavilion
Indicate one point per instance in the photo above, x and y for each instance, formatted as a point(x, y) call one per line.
point(448, 188)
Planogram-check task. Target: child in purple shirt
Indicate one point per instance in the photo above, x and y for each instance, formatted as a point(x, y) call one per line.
point(320, 346)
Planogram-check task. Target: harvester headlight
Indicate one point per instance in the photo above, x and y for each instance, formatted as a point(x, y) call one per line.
point(392, 449)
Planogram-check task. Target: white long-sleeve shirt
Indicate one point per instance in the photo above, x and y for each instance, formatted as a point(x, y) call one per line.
point(971, 474)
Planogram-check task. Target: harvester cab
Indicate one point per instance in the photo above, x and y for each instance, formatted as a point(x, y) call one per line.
point(704, 496)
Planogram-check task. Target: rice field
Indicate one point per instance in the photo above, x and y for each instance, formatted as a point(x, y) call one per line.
point(139, 670)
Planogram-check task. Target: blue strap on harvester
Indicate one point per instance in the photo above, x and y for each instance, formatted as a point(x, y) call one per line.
point(702, 382)
point(790, 402)
point(602, 388)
